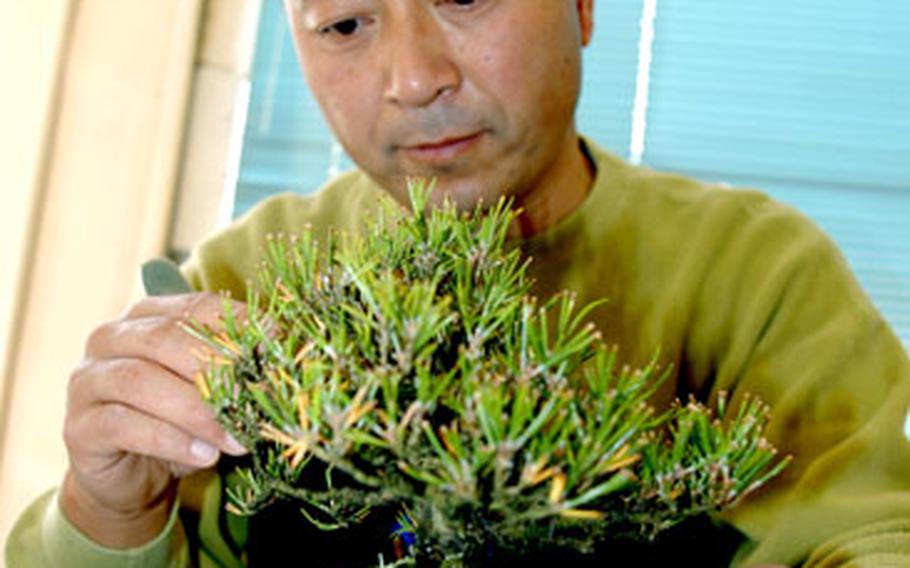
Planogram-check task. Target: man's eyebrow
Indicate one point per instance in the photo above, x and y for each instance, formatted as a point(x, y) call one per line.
point(304, 4)
point(300, 5)
point(307, 3)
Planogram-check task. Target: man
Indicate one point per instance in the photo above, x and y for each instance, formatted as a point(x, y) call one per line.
point(740, 293)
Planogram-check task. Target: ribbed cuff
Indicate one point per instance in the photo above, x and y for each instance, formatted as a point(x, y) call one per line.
point(878, 545)
point(65, 545)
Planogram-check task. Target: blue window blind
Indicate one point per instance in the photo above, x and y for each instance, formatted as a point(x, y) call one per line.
point(808, 101)
point(286, 144)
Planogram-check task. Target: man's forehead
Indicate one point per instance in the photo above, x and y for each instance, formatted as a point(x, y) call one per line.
point(302, 5)
point(308, 5)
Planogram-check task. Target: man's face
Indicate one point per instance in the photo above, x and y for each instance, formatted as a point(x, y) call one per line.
point(479, 94)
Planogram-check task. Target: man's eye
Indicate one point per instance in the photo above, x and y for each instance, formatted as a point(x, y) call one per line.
point(465, 5)
point(343, 28)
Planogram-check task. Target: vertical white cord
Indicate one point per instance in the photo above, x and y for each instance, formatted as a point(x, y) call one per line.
point(252, 21)
point(276, 52)
point(235, 153)
point(643, 82)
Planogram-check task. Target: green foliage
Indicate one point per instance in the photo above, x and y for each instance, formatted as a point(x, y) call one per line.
point(410, 368)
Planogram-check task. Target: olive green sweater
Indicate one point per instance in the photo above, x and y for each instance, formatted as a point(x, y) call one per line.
point(739, 292)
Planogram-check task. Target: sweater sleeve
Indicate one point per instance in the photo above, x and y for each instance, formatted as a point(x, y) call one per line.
point(43, 537)
point(787, 321)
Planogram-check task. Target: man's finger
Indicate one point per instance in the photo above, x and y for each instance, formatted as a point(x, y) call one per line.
point(118, 428)
point(155, 391)
point(158, 339)
point(203, 307)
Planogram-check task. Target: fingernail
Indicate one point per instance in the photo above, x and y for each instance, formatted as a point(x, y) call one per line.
point(233, 446)
point(203, 452)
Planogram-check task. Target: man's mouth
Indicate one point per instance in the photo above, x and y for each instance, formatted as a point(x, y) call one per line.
point(442, 151)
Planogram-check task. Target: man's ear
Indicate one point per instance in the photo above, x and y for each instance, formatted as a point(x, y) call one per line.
point(586, 19)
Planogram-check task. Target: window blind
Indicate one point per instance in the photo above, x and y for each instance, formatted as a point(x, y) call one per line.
point(286, 144)
point(808, 101)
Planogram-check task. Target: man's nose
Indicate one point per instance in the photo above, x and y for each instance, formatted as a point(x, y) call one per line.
point(419, 65)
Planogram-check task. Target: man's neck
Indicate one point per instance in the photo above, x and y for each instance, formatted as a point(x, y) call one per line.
point(558, 193)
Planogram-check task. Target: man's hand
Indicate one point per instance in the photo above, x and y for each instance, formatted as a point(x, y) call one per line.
point(135, 421)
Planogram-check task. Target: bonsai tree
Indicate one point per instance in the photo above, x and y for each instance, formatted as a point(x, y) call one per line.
point(410, 368)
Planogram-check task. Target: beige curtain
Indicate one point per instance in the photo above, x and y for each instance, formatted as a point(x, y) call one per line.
point(89, 157)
